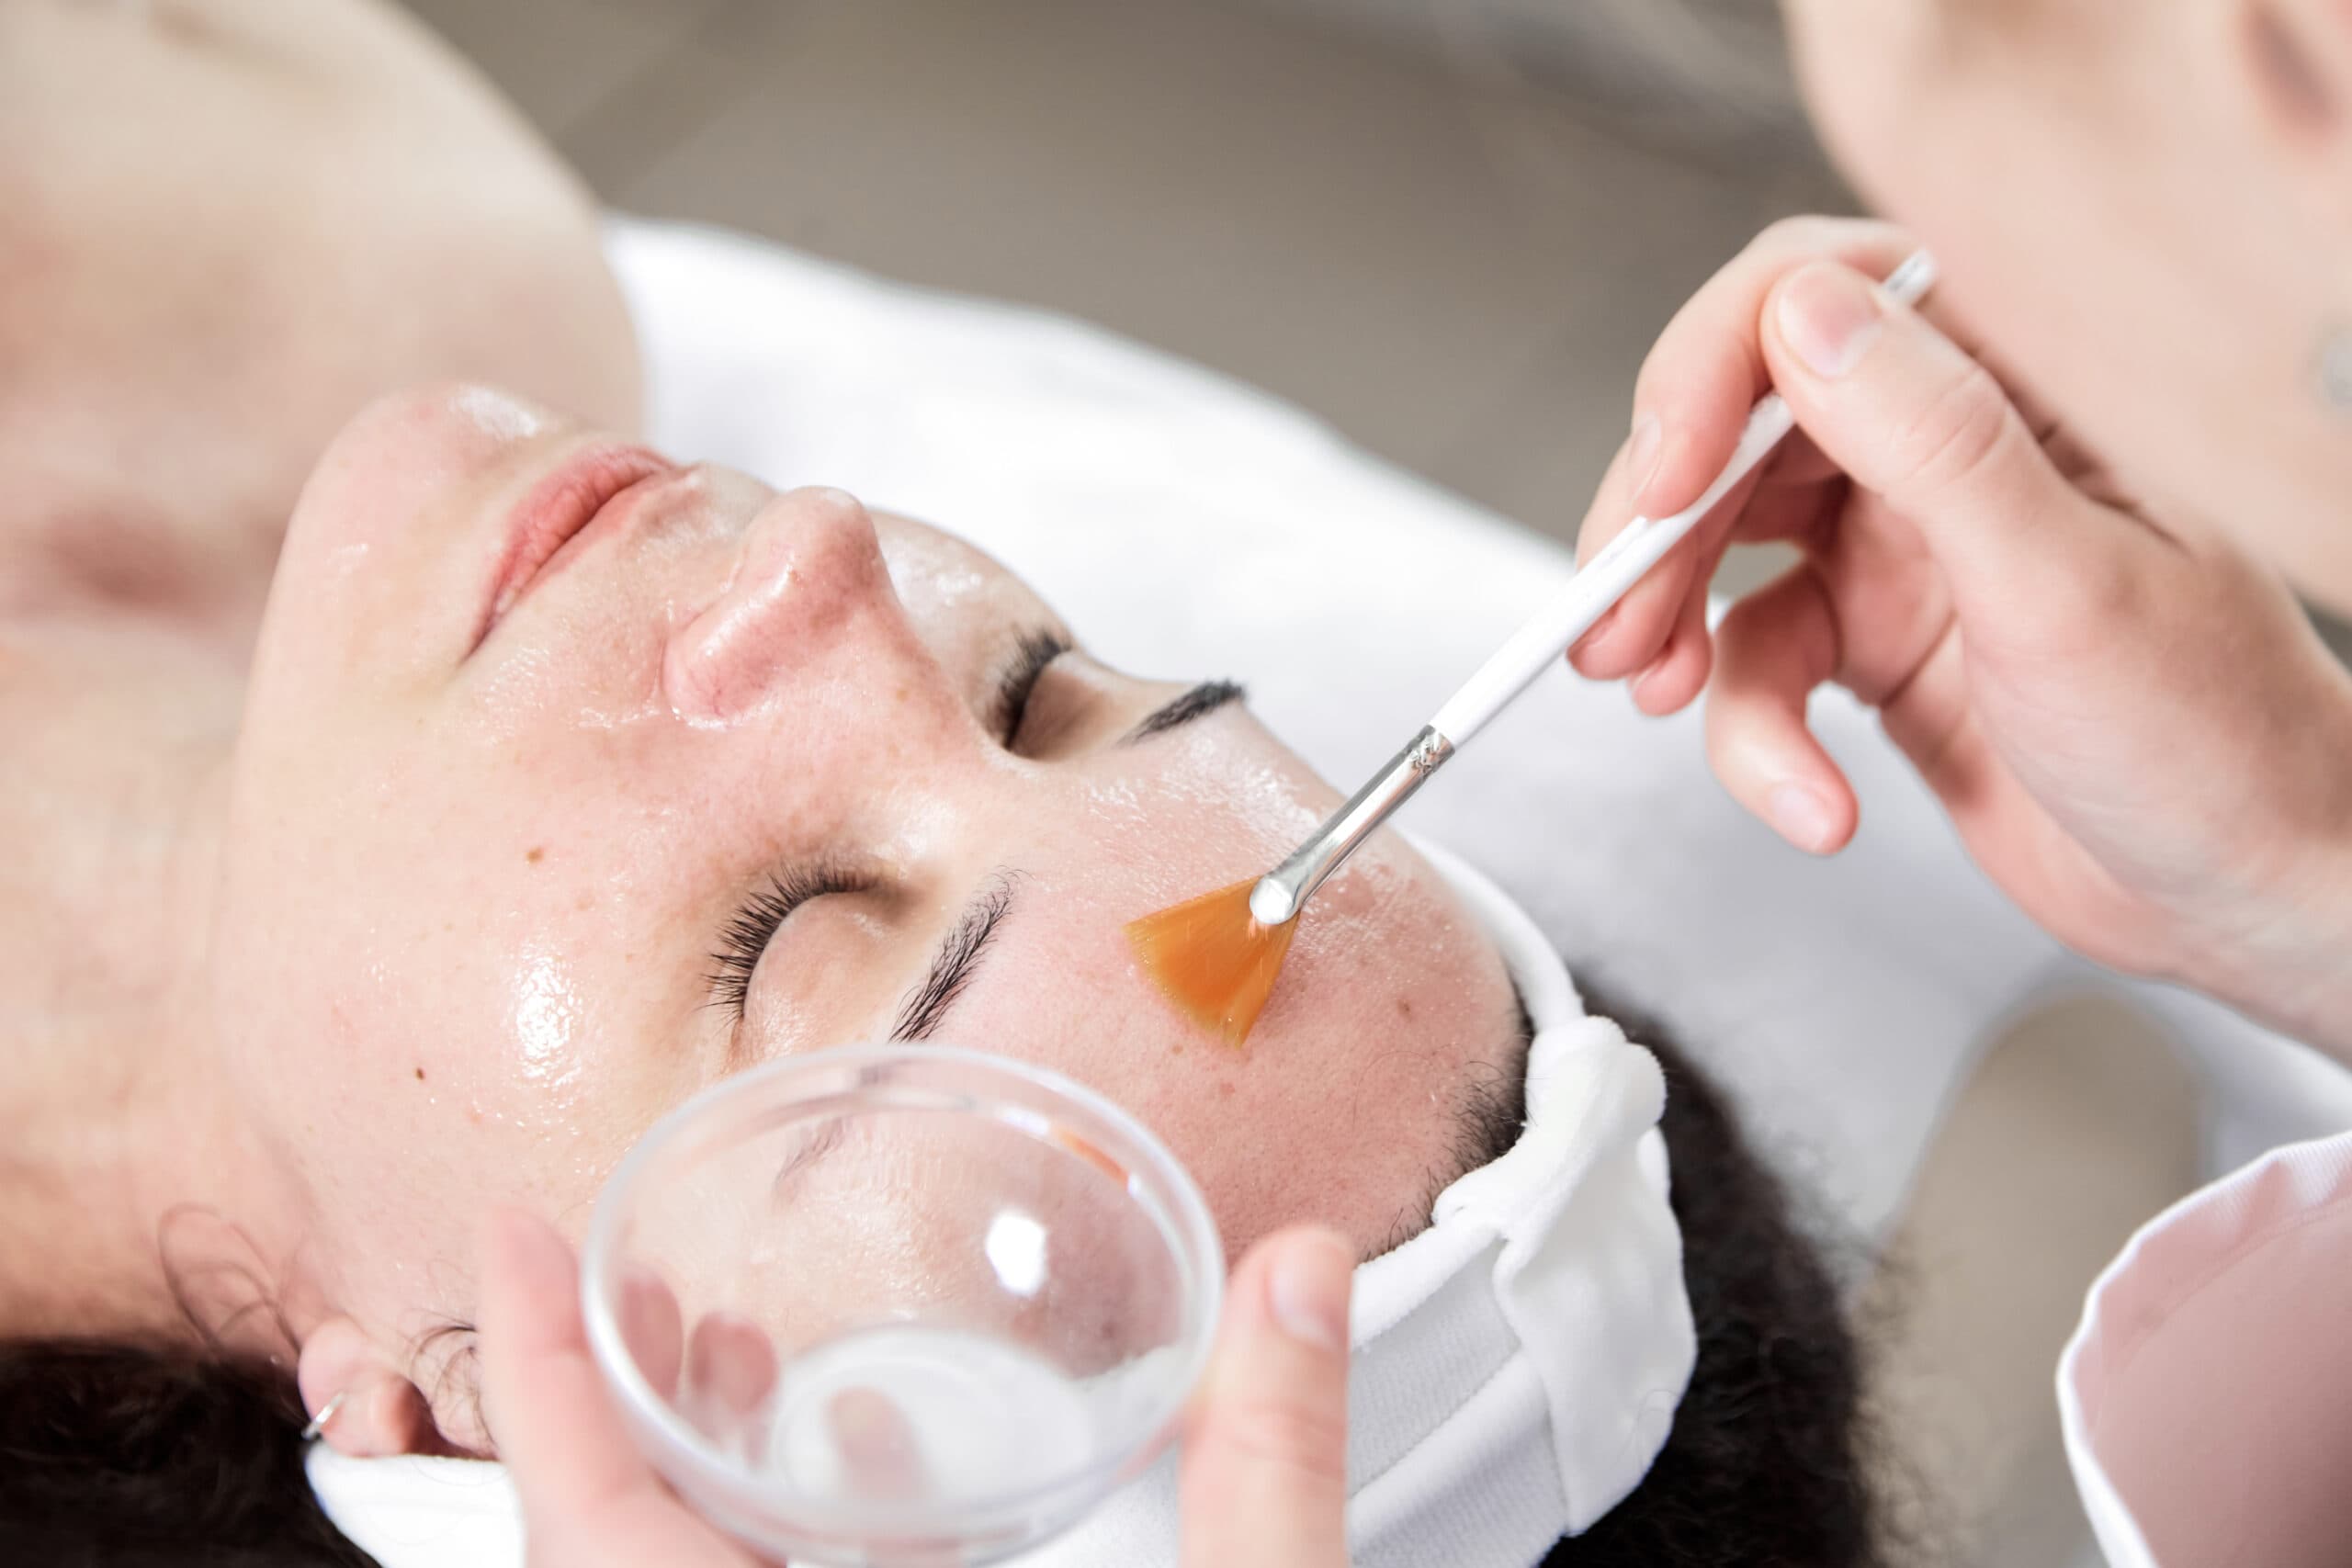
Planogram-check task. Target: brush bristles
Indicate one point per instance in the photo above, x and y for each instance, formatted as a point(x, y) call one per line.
point(1213, 959)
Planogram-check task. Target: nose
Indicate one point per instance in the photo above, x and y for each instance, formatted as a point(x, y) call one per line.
point(809, 581)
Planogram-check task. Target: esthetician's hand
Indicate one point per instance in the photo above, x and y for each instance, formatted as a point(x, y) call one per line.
point(1265, 1451)
point(2133, 726)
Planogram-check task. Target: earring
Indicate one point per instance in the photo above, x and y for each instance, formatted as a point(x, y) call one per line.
point(2336, 369)
point(326, 1413)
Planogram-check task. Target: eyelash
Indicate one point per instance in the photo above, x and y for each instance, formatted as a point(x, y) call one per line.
point(1019, 684)
point(745, 938)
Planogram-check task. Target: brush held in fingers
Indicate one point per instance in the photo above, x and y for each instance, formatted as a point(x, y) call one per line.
point(1214, 960)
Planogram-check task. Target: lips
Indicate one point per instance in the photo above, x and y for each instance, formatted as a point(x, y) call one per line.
point(558, 510)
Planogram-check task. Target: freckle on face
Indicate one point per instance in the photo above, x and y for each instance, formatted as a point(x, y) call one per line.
point(537, 854)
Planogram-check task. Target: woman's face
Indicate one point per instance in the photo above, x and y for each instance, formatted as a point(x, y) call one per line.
point(2146, 212)
point(572, 781)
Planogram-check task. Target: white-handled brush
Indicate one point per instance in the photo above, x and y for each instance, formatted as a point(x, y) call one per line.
point(1218, 954)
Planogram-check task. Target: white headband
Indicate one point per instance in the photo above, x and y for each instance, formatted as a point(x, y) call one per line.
point(1516, 1365)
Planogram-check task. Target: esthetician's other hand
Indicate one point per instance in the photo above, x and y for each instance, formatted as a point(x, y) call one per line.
point(1265, 1450)
point(2133, 726)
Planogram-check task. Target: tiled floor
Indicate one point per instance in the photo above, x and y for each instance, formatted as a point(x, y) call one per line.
point(1462, 274)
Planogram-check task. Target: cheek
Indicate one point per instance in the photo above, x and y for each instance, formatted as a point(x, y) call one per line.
point(417, 1081)
point(1931, 117)
point(433, 1043)
point(1217, 804)
point(433, 997)
point(1342, 1106)
point(1854, 62)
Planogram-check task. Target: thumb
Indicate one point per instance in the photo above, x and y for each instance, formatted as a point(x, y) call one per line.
point(1265, 1479)
point(589, 1499)
point(1914, 420)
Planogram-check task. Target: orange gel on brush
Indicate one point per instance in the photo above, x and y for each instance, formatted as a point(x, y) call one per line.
point(1214, 959)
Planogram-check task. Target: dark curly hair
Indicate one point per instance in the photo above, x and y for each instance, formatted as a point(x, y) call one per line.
point(116, 1455)
point(156, 1455)
point(1764, 1466)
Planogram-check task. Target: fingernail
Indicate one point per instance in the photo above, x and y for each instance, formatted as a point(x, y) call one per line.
point(1801, 817)
point(1641, 455)
point(1308, 1292)
point(1829, 316)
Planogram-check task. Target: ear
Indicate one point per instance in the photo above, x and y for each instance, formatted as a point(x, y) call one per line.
point(381, 1412)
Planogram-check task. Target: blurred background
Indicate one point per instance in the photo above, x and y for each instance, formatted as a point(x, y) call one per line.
point(1450, 228)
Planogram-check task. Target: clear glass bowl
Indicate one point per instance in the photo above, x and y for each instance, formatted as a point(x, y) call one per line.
point(899, 1306)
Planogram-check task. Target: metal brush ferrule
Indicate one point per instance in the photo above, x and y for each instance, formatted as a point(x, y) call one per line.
point(1284, 891)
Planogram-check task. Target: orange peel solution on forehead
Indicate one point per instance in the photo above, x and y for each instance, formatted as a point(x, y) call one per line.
point(1213, 958)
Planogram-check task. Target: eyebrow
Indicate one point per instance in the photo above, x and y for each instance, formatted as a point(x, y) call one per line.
point(956, 959)
point(1198, 703)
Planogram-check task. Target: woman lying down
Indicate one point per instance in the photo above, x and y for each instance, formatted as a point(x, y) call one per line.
point(400, 819)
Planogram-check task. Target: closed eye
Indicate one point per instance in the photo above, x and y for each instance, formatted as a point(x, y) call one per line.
point(745, 938)
point(1018, 683)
